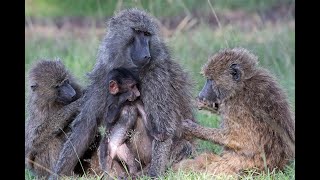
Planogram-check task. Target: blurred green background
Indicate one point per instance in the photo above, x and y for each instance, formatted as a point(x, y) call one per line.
point(194, 29)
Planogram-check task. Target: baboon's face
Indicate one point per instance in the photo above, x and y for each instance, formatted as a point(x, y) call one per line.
point(61, 92)
point(123, 83)
point(224, 75)
point(50, 82)
point(207, 98)
point(135, 39)
point(65, 92)
point(139, 50)
point(127, 88)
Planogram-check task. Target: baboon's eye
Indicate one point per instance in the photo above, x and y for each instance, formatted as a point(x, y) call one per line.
point(147, 33)
point(137, 31)
point(34, 87)
point(57, 86)
point(66, 81)
point(235, 72)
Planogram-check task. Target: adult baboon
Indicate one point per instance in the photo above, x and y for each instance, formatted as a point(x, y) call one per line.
point(258, 127)
point(52, 104)
point(133, 41)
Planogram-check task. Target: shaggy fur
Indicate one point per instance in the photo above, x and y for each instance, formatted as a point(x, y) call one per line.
point(165, 92)
point(43, 137)
point(256, 120)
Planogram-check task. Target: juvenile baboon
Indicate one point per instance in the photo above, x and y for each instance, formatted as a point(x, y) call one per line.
point(133, 41)
point(257, 125)
point(54, 100)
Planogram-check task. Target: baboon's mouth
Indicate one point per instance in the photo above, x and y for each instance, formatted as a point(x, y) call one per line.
point(64, 101)
point(207, 105)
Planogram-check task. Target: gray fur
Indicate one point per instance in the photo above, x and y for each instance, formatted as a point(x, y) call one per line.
point(165, 90)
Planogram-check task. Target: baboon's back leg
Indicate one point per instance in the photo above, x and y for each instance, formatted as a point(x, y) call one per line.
point(198, 164)
point(124, 153)
point(182, 150)
point(228, 163)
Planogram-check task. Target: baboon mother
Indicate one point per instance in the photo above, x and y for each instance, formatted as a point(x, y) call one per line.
point(133, 41)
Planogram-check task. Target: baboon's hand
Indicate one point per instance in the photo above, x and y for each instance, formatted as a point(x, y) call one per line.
point(77, 105)
point(206, 105)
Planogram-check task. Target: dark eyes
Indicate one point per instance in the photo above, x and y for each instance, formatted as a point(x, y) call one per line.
point(144, 32)
point(64, 82)
point(147, 33)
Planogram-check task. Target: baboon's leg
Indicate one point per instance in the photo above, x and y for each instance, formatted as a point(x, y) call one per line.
point(161, 153)
point(117, 169)
point(228, 164)
point(198, 164)
point(103, 153)
point(182, 149)
point(126, 155)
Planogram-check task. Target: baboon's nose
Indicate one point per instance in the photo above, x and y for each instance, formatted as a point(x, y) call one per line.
point(147, 57)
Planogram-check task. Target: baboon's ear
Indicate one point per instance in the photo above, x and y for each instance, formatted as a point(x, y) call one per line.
point(235, 72)
point(113, 87)
point(111, 21)
point(34, 87)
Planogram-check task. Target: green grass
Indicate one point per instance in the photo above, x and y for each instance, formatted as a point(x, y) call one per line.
point(163, 8)
point(287, 174)
point(274, 44)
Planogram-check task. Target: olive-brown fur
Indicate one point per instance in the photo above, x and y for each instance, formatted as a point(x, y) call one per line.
point(257, 123)
point(48, 119)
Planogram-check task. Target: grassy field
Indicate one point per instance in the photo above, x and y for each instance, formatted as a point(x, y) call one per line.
point(267, 28)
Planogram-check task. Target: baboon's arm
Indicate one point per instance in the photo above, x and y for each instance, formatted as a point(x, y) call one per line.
point(84, 128)
point(63, 116)
point(55, 124)
point(219, 136)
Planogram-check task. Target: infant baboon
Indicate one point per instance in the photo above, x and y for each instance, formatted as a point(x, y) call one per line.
point(257, 125)
point(123, 110)
point(122, 87)
point(52, 104)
